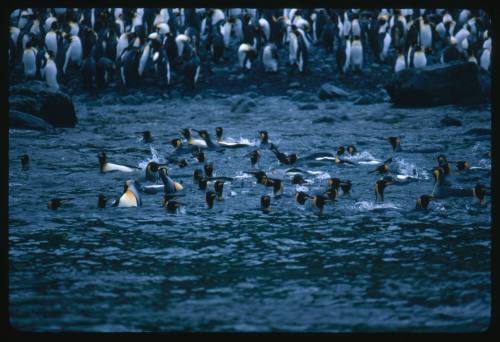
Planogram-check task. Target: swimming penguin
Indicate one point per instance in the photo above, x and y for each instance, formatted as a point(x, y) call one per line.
point(151, 171)
point(170, 204)
point(340, 161)
point(200, 156)
point(301, 197)
point(264, 138)
point(147, 137)
point(282, 157)
point(107, 167)
point(423, 202)
point(419, 58)
point(276, 184)
point(29, 61)
point(206, 137)
point(346, 187)
point(443, 163)
point(331, 193)
point(380, 186)
point(50, 71)
point(218, 187)
point(169, 185)
point(25, 162)
point(74, 52)
point(265, 203)
point(254, 157)
point(209, 199)
point(220, 140)
point(246, 56)
point(209, 169)
point(270, 58)
point(340, 150)
point(298, 179)
point(351, 149)
point(130, 196)
point(182, 163)
point(384, 168)
point(55, 203)
point(400, 62)
point(318, 201)
point(186, 133)
point(101, 201)
point(395, 143)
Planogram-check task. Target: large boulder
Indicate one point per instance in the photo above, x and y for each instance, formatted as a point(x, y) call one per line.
point(329, 91)
point(440, 84)
point(36, 99)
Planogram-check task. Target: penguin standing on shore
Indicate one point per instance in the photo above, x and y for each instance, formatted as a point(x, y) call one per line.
point(50, 70)
point(419, 58)
point(270, 58)
point(104, 72)
point(191, 67)
point(298, 53)
point(246, 56)
point(129, 68)
point(343, 55)
point(400, 62)
point(356, 53)
point(29, 61)
point(484, 61)
point(74, 52)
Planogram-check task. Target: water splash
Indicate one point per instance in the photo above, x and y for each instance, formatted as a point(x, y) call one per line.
point(319, 174)
point(369, 206)
point(408, 169)
point(154, 157)
point(476, 147)
point(301, 188)
point(364, 156)
point(241, 140)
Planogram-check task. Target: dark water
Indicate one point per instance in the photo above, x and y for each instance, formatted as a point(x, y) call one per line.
point(360, 267)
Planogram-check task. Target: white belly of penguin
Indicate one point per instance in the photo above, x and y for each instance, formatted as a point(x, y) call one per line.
point(426, 36)
point(270, 64)
point(400, 64)
point(144, 59)
point(75, 52)
point(115, 167)
point(127, 200)
point(29, 61)
point(419, 60)
point(51, 42)
point(485, 59)
point(197, 142)
point(51, 74)
point(293, 47)
point(357, 54)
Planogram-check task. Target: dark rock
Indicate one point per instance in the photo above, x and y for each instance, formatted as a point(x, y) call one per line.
point(27, 121)
point(447, 121)
point(294, 85)
point(132, 99)
point(329, 91)
point(36, 98)
point(455, 83)
point(242, 104)
point(308, 106)
point(365, 100)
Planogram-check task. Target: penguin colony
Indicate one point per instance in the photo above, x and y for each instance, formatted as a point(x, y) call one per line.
point(179, 45)
point(155, 177)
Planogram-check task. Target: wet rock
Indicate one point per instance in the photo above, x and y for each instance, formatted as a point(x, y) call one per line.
point(329, 91)
point(23, 120)
point(455, 83)
point(366, 100)
point(36, 98)
point(298, 95)
point(294, 85)
point(449, 121)
point(242, 104)
point(308, 106)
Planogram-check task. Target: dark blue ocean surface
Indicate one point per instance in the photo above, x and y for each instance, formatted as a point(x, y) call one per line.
point(361, 266)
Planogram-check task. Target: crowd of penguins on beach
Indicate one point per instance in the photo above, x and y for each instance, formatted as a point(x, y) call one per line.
point(190, 151)
point(171, 45)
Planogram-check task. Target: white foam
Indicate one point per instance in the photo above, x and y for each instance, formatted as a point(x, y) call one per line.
point(368, 206)
point(154, 157)
point(319, 174)
point(301, 188)
point(476, 147)
point(325, 158)
point(408, 169)
point(363, 155)
point(242, 175)
point(371, 162)
point(242, 141)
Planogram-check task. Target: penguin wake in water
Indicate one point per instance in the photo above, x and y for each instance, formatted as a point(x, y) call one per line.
point(380, 186)
point(105, 166)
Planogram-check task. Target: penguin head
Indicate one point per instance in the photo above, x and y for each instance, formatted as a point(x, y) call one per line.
point(218, 132)
point(334, 183)
point(441, 159)
point(103, 159)
point(332, 193)
point(479, 192)
point(298, 179)
point(293, 158)
point(182, 163)
point(340, 150)
point(203, 134)
point(202, 183)
point(301, 197)
point(176, 142)
point(462, 165)
point(423, 202)
point(197, 174)
point(50, 54)
point(209, 169)
point(209, 199)
point(231, 19)
point(200, 156)
point(186, 133)
point(418, 48)
point(153, 166)
point(346, 186)
point(25, 159)
point(101, 202)
point(380, 187)
point(147, 136)
point(351, 149)
point(263, 136)
point(54, 26)
point(219, 187)
point(319, 201)
point(265, 202)
point(394, 141)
